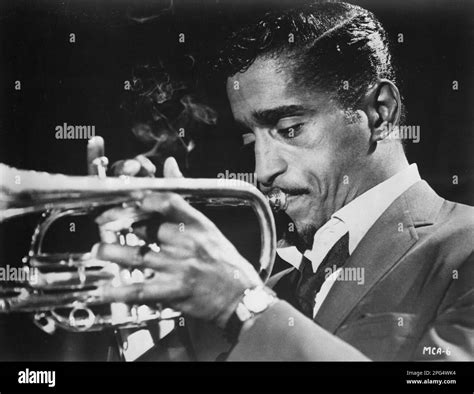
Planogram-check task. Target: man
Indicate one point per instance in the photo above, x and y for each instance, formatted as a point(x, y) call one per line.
point(384, 268)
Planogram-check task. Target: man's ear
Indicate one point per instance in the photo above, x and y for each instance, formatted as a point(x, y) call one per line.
point(382, 106)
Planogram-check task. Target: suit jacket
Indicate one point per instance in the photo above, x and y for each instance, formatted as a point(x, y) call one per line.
point(416, 302)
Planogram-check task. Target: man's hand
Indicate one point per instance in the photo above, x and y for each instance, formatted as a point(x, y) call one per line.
point(197, 270)
point(138, 166)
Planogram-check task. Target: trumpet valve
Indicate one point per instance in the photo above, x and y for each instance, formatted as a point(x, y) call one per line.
point(100, 164)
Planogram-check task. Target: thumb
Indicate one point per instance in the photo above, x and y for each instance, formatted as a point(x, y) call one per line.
point(171, 169)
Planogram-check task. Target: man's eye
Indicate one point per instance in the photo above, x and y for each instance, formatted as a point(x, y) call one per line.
point(290, 132)
point(248, 138)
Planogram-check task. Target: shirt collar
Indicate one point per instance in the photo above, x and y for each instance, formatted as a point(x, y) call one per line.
point(362, 212)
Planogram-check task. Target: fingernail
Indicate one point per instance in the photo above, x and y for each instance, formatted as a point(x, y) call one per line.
point(131, 167)
point(95, 250)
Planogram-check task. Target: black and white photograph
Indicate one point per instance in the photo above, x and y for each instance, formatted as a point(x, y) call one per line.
point(264, 185)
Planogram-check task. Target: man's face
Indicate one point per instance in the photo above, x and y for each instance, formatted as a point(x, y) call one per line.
point(304, 143)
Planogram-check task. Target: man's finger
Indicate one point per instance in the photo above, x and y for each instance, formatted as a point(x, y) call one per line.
point(147, 169)
point(161, 288)
point(171, 168)
point(163, 233)
point(129, 167)
point(117, 213)
point(172, 207)
point(131, 256)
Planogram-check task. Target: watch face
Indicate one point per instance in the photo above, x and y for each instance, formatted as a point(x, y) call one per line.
point(257, 301)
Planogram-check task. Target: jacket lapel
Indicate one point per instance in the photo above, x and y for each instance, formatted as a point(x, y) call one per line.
point(392, 235)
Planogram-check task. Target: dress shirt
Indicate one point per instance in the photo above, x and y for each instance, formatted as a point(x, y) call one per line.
point(357, 217)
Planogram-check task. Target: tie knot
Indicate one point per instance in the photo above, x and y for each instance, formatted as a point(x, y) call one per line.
point(310, 283)
point(325, 239)
point(337, 251)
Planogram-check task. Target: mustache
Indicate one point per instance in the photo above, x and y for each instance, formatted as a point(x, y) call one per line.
point(294, 191)
point(288, 190)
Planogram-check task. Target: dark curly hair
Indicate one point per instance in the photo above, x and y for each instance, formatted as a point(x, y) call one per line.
point(337, 48)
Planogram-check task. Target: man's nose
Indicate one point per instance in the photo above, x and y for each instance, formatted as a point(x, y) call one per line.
point(268, 162)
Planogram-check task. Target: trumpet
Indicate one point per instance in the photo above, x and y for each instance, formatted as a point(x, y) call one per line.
point(67, 288)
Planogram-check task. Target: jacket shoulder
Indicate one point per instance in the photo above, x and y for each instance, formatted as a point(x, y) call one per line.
point(455, 224)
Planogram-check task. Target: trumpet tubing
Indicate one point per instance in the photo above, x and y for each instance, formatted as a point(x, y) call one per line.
point(68, 289)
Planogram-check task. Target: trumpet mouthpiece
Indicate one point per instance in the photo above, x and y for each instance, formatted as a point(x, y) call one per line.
point(277, 199)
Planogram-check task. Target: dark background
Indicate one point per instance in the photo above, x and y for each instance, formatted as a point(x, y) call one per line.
point(83, 83)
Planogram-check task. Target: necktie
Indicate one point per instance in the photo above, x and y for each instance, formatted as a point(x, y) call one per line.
point(309, 283)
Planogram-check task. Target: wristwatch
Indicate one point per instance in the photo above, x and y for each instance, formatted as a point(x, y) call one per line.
point(254, 301)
